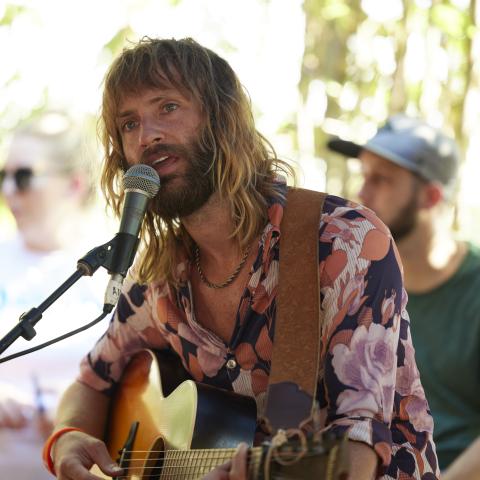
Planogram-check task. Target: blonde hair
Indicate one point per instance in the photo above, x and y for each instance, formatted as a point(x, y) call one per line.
point(244, 163)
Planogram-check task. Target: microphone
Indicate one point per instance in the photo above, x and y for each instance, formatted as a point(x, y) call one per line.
point(140, 184)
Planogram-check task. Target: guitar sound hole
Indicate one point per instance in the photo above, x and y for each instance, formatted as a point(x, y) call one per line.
point(155, 460)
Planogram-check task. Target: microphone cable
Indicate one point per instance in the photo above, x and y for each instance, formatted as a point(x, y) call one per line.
point(55, 340)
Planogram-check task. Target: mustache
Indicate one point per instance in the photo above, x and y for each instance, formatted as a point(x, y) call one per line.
point(163, 148)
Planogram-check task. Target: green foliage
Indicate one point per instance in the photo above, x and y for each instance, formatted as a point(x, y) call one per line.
point(450, 20)
point(335, 11)
point(11, 11)
point(118, 41)
point(423, 64)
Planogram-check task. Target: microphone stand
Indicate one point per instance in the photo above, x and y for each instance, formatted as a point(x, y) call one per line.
point(99, 256)
point(29, 319)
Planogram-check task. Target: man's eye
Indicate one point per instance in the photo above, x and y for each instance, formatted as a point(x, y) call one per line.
point(129, 125)
point(170, 107)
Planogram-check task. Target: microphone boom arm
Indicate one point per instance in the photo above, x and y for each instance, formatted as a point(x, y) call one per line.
point(29, 319)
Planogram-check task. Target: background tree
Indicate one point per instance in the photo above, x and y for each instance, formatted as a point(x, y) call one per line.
point(373, 58)
point(313, 68)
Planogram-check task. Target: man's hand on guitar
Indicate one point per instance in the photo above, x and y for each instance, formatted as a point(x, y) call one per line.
point(234, 469)
point(74, 453)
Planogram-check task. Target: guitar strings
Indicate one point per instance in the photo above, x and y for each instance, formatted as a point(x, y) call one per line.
point(202, 451)
point(169, 470)
point(197, 470)
point(278, 476)
point(145, 461)
point(178, 470)
point(210, 457)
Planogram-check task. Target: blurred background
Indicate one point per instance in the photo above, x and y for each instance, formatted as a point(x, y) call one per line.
point(313, 68)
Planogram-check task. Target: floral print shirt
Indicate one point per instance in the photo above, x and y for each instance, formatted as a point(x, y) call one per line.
point(369, 385)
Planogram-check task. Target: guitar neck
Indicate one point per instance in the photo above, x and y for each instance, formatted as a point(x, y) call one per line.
point(193, 464)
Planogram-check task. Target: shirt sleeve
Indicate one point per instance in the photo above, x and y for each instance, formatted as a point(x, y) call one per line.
point(133, 327)
point(369, 386)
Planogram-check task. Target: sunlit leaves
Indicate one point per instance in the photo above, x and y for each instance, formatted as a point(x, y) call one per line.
point(450, 20)
point(9, 13)
point(118, 41)
point(335, 10)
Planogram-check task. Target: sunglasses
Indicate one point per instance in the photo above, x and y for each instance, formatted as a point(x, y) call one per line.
point(22, 178)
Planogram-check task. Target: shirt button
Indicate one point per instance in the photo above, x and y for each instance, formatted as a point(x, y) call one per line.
point(231, 364)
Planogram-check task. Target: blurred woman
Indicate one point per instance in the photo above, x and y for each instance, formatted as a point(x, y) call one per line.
point(47, 184)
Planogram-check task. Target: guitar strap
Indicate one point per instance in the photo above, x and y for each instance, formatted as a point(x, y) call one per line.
point(291, 393)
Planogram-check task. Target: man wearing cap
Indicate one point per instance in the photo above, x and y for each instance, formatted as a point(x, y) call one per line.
point(410, 171)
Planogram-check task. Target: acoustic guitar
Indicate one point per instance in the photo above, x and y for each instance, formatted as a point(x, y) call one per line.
point(165, 426)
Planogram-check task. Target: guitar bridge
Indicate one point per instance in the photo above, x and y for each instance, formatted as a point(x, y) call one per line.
point(125, 453)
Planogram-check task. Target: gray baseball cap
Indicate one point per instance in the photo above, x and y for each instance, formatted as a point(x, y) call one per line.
point(412, 144)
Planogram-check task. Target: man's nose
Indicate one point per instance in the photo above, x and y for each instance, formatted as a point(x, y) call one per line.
point(151, 132)
point(364, 194)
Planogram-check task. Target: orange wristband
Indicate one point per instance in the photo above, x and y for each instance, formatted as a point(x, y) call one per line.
point(47, 448)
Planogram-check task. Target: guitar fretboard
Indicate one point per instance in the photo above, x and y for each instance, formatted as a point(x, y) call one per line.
point(193, 464)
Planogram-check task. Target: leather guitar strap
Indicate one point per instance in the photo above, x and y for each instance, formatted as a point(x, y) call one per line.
point(293, 377)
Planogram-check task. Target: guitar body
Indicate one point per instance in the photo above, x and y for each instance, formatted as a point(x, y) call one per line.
point(159, 429)
point(173, 418)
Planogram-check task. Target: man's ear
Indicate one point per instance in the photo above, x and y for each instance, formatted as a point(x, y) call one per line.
point(432, 194)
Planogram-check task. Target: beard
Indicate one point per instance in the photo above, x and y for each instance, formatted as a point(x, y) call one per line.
point(184, 193)
point(406, 219)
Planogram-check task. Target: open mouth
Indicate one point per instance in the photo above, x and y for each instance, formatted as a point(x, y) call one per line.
point(160, 160)
point(164, 164)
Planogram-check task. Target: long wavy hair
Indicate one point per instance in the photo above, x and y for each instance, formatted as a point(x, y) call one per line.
point(244, 163)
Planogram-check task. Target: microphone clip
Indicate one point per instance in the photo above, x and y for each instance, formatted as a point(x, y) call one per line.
point(111, 255)
point(116, 256)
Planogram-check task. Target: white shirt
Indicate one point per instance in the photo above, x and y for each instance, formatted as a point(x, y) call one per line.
point(26, 280)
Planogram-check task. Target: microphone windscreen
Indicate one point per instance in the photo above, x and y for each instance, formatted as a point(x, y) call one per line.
point(142, 177)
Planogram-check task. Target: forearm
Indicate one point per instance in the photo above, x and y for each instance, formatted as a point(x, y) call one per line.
point(73, 453)
point(466, 466)
point(83, 407)
point(363, 461)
